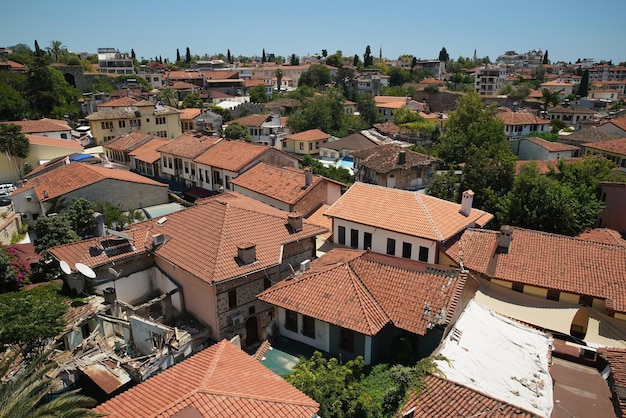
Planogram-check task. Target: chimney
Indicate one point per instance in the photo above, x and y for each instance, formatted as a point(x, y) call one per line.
point(308, 177)
point(505, 238)
point(100, 227)
point(246, 252)
point(402, 157)
point(466, 203)
point(295, 221)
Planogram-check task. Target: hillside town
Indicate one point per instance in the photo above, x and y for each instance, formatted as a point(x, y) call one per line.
point(311, 236)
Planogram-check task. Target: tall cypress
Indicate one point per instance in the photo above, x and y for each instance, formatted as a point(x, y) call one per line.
point(583, 88)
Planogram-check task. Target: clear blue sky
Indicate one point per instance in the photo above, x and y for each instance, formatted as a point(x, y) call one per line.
point(567, 29)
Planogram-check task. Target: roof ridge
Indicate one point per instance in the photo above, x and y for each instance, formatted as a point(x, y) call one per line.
point(362, 294)
point(253, 397)
point(429, 218)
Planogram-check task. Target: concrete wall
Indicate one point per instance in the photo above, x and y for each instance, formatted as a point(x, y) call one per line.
point(322, 332)
point(296, 252)
point(530, 151)
point(612, 216)
point(314, 197)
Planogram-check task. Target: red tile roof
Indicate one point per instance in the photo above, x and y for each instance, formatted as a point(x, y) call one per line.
point(73, 176)
point(286, 185)
point(182, 85)
point(613, 146)
point(217, 225)
point(54, 142)
point(188, 145)
point(385, 158)
point(355, 141)
point(409, 213)
point(220, 381)
point(148, 152)
point(121, 102)
point(190, 113)
point(548, 261)
point(127, 142)
point(552, 146)
point(619, 122)
point(521, 118)
point(252, 120)
point(605, 235)
point(310, 135)
point(443, 398)
point(41, 125)
point(318, 218)
point(231, 155)
point(363, 291)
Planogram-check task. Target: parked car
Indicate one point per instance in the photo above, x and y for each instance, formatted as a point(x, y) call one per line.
point(5, 199)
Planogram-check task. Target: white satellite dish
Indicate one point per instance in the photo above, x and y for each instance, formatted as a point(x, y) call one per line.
point(85, 270)
point(65, 268)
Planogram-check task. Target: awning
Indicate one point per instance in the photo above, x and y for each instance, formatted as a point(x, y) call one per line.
point(605, 331)
point(543, 313)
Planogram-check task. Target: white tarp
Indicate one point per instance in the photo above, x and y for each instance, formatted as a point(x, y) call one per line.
point(541, 312)
point(500, 358)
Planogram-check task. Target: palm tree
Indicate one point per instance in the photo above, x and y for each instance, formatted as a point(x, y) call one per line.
point(57, 50)
point(279, 78)
point(21, 395)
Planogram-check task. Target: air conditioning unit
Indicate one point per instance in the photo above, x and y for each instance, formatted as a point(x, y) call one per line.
point(236, 320)
point(158, 239)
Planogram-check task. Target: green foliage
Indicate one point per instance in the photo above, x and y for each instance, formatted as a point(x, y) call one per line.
point(412, 121)
point(143, 83)
point(344, 80)
point(443, 55)
point(22, 394)
point(224, 113)
point(13, 106)
point(8, 275)
point(549, 97)
point(52, 232)
point(398, 76)
point(80, 217)
point(471, 124)
point(31, 317)
point(115, 217)
point(366, 106)
point(548, 136)
point(445, 186)
point(15, 146)
point(431, 88)
point(167, 96)
point(368, 59)
point(516, 93)
point(583, 87)
point(397, 91)
point(335, 60)
point(258, 94)
point(101, 84)
point(237, 131)
point(350, 390)
point(193, 100)
point(317, 76)
point(334, 173)
point(49, 94)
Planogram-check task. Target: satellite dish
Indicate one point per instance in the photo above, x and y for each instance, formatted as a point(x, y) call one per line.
point(114, 272)
point(85, 270)
point(65, 268)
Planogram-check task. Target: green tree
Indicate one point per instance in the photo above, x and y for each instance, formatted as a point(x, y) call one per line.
point(545, 60)
point(294, 60)
point(279, 78)
point(15, 146)
point(22, 394)
point(29, 318)
point(443, 55)
point(167, 96)
point(8, 275)
point(549, 97)
point(368, 59)
point(335, 173)
point(398, 76)
point(52, 232)
point(583, 87)
point(80, 217)
point(193, 100)
point(116, 217)
point(356, 61)
point(325, 112)
point(366, 106)
point(228, 57)
point(188, 56)
point(445, 186)
point(263, 57)
point(237, 131)
point(317, 76)
point(258, 94)
point(177, 55)
point(57, 51)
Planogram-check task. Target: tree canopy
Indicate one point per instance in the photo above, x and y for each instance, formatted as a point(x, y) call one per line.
point(193, 100)
point(15, 147)
point(237, 131)
point(52, 232)
point(317, 76)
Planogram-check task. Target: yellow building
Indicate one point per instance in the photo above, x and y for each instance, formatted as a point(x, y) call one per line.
point(306, 142)
point(142, 116)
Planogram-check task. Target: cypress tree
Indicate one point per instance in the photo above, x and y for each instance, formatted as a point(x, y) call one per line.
point(583, 88)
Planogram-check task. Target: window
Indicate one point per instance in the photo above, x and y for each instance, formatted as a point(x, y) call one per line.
point(367, 241)
point(354, 238)
point(291, 320)
point(341, 231)
point(193, 169)
point(407, 248)
point(586, 300)
point(302, 145)
point(553, 294)
point(169, 162)
point(308, 326)
point(227, 182)
point(186, 167)
point(160, 120)
point(232, 299)
point(284, 144)
point(267, 283)
point(518, 287)
point(251, 310)
point(346, 340)
point(310, 146)
point(391, 246)
point(423, 256)
point(121, 123)
point(164, 161)
point(64, 136)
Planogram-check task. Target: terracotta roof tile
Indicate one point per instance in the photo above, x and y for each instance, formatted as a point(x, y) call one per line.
point(552, 146)
point(605, 235)
point(310, 135)
point(355, 141)
point(549, 261)
point(121, 102)
point(217, 225)
point(182, 85)
point(364, 291)
point(220, 381)
point(41, 125)
point(184, 75)
point(619, 122)
point(443, 398)
point(617, 360)
point(190, 113)
point(384, 158)
point(54, 142)
point(405, 212)
point(73, 176)
point(614, 146)
point(521, 118)
point(283, 184)
point(127, 142)
point(252, 120)
point(318, 218)
point(188, 145)
point(231, 155)
point(148, 152)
